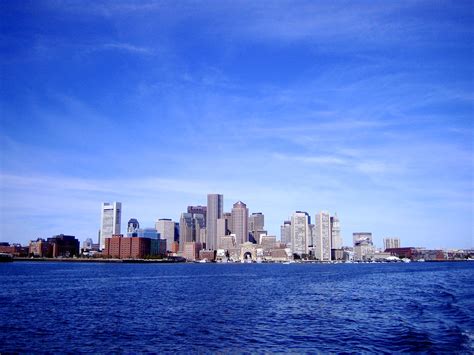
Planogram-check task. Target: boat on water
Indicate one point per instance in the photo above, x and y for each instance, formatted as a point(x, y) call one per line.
point(4, 257)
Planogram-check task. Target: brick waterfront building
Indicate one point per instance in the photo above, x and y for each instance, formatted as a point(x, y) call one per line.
point(133, 247)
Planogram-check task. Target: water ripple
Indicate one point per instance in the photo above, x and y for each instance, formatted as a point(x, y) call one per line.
point(59, 307)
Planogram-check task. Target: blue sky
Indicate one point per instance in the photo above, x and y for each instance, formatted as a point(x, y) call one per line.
point(360, 107)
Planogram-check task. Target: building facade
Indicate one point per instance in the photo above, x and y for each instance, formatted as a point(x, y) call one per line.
point(240, 217)
point(165, 227)
point(215, 208)
point(336, 237)
point(322, 236)
point(363, 245)
point(391, 243)
point(202, 210)
point(285, 232)
point(300, 234)
point(110, 221)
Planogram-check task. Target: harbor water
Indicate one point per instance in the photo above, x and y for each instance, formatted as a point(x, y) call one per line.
point(92, 307)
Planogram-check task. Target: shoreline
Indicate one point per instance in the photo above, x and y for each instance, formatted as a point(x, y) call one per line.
point(168, 261)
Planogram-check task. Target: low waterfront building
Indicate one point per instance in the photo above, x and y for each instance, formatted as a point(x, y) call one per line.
point(14, 249)
point(406, 252)
point(122, 247)
point(209, 255)
point(337, 254)
point(40, 248)
point(191, 250)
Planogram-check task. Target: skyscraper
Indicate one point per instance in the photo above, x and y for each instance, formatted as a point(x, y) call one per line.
point(256, 221)
point(132, 225)
point(285, 232)
point(215, 207)
point(363, 245)
point(300, 232)
point(322, 237)
point(256, 226)
point(240, 217)
point(110, 221)
point(186, 229)
point(165, 227)
point(199, 225)
point(336, 239)
point(198, 210)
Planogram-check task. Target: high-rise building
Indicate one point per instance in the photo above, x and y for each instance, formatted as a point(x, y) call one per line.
point(256, 221)
point(222, 228)
point(132, 225)
point(199, 225)
point(240, 217)
point(215, 208)
point(110, 221)
point(363, 245)
point(228, 217)
point(390, 243)
point(198, 210)
point(256, 226)
point(300, 233)
point(285, 232)
point(165, 227)
point(186, 230)
point(322, 237)
point(336, 239)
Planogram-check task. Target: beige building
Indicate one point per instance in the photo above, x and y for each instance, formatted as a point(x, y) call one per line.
point(240, 216)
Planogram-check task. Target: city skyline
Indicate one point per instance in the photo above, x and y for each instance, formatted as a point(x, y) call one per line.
point(364, 109)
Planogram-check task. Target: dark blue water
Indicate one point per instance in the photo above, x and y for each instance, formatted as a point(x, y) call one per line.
point(57, 307)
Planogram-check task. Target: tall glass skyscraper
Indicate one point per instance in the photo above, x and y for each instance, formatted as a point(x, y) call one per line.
point(215, 208)
point(110, 221)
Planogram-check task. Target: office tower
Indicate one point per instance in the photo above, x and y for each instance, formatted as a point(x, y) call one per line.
point(389, 243)
point(199, 224)
point(322, 236)
point(336, 239)
point(132, 226)
point(240, 217)
point(300, 232)
point(256, 226)
point(228, 217)
point(176, 232)
point(110, 221)
point(198, 210)
point(285, 232)
point(256, 221)
point(165, 227)
point(215, 207)
point(222, 228)
point(362, 245)
point(185, 229)
point(202, 237)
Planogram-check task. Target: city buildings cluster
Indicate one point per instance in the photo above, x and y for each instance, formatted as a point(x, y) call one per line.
point(208, 233)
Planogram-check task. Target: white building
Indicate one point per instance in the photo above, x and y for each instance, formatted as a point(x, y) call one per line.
point(110, 221)
point(363, 245)
point(300, 235)
point(165, 227)
point(336, 238)
point(391, 243)
point(322, 236)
